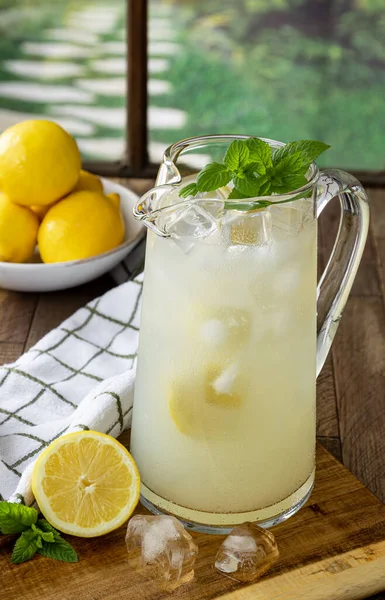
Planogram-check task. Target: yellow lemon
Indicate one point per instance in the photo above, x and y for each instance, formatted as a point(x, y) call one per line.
point(86, 483)
point(18, 231)
point(39, 162)
point(40, 211)
point(88, 181)
point(82, 225)
point(115, 199)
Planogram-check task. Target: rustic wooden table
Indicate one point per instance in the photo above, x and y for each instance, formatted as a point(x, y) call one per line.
point(351, 398)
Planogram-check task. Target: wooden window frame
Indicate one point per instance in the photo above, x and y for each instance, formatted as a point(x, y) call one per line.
point(135, 162)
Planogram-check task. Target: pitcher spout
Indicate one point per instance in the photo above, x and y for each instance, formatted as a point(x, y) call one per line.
point(163, 211)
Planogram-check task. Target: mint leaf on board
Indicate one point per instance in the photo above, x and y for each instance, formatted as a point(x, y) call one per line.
point(46, 527)
point(189, 190)
point(260, 153)
point(16, 518)
point(26, 546)
point(46, 536)
point(212, 177)
point(59, 550)
point(236, 156)
point(309, 149)
point(37, 535)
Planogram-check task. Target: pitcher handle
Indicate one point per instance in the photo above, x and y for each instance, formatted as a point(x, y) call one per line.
point(337, 279)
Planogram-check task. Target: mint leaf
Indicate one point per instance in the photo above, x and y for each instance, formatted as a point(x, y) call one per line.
point(188, 190)
point(236, 195)
point(15, 518)
point(59, 550)
point(237, 155)
point(255, 171)
point(46, 527)
point(260, 154)
point(26, 546)
point(289, 183)
point(46, 536)
point(290, 164)
point(212, 177)
point(288, 174)
point(247, 185)
point(309, 150)
point(252, 186)
point(265, 186)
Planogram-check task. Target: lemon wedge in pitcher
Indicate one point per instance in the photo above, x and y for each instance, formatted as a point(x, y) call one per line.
point(86, 483)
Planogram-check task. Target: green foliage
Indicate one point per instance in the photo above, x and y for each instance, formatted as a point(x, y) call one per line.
point(16, 518)
point(265, 69)
point(255, 169)
point(37, 535)
point(282, 69)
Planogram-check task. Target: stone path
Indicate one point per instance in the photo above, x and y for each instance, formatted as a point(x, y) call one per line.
point(112, 66)
point(39, 92)
point(55, 50)
point(76, 75)
point(116, 86)
point(108, 86)
point(33, 69)
point(74, 126)
point(163, 48)
point(114, 118)
point(74, 36)
point(103, 148)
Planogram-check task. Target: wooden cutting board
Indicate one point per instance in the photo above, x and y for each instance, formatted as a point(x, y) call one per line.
point(333, 549)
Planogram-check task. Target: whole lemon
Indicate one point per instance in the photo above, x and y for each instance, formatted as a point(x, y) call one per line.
point(88, 181)
point(82, 225)
point(40, 211)
point(18, 231)
point(39, 162)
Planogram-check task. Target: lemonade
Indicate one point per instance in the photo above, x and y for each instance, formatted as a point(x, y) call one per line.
point(224, 413)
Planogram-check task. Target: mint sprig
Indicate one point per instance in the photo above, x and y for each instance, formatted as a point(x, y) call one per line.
point(37, 535)
point(26, 546)
point(212, 177)
point(255, 169)
point(16, 518)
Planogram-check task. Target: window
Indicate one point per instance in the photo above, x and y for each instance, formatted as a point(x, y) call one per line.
point(285, 69)
point(282, 69)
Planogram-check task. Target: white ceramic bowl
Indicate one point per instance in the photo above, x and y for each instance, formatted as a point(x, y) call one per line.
point(39, 277)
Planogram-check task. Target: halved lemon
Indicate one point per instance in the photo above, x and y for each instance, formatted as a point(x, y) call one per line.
point(86, 483)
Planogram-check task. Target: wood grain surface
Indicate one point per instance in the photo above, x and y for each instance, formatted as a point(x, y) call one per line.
point(352, 384)
point(350, 389)
point(333, 549)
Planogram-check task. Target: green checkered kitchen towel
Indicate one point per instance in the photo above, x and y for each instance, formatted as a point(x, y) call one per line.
point(79, 376)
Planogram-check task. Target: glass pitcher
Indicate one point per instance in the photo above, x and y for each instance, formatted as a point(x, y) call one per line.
point(224, 423)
